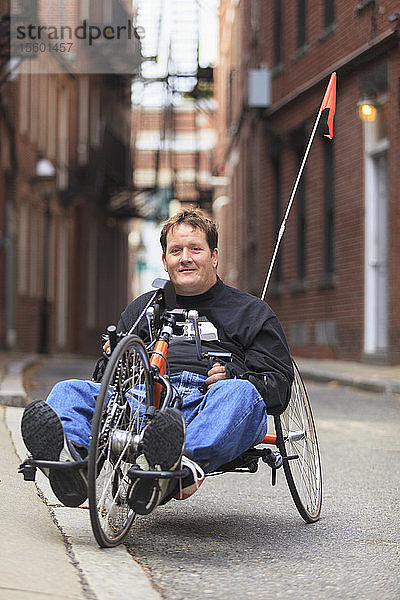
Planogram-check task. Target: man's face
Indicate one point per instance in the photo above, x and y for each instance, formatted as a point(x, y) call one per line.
point(188, 260)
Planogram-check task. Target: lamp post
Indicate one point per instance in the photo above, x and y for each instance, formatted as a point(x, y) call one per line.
point(45, 184)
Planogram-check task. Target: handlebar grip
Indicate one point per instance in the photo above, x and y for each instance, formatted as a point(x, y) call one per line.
point(220, 361)
point(212, 361)
point(112, 336)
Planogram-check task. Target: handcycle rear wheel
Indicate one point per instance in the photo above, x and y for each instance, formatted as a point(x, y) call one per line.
point(114, 426)
point(297, 437)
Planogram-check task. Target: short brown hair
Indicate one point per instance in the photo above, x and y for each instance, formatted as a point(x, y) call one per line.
point(195, 218)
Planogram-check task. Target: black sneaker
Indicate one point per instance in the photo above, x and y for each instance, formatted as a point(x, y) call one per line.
point(163, 442)
point(43, 435)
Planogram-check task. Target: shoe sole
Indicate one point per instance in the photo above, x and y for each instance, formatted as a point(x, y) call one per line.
point(162, 444)
point(164, 439)
point(43, 435)
point(42, 431)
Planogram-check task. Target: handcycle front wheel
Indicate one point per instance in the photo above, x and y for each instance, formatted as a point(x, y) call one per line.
point(114, 427)
point(297, 441)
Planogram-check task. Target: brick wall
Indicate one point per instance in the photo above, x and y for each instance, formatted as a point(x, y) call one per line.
point(323, 316)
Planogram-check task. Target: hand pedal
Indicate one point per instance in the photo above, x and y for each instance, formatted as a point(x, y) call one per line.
point(274, 459)
point(28, 471)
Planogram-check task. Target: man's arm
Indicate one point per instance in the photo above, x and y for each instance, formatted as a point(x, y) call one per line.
point(268, 365)
point(130, 315)
point(127, 319)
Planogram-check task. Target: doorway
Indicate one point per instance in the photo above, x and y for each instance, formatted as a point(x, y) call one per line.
point(376, 255)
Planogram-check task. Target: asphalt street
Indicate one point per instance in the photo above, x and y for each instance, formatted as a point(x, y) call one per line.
point(239, 537)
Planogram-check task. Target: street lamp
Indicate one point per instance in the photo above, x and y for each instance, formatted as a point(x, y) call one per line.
point(45, 178)
point(367, 109)
point(45, 185)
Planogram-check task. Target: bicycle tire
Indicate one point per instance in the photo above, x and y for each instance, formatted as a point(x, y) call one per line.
point(108, 463)
point(297, 436)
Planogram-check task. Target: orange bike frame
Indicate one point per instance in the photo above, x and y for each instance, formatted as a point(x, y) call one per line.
point(159, 359)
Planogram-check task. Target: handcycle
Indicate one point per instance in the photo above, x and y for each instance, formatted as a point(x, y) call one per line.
point(134, 370)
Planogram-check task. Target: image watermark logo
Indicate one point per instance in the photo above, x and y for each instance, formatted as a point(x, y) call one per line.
point(82, 36)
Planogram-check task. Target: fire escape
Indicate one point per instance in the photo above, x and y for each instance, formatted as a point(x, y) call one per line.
point(170, 77)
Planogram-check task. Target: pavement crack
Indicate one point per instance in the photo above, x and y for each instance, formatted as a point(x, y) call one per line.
point(148, 571)
point(86, 589)
point(59, 505)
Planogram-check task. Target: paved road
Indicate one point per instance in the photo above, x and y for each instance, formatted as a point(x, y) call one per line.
point(239, 537)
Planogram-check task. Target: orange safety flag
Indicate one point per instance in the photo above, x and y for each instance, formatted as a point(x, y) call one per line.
point(329, 102)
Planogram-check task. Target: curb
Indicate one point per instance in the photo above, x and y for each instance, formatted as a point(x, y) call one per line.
point(104, 573)
point(12, 392)
point(371, 384)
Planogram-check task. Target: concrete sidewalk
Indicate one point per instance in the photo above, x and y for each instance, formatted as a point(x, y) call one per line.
point(374, 378)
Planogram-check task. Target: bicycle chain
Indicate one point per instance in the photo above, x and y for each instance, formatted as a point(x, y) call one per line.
point(111, 414)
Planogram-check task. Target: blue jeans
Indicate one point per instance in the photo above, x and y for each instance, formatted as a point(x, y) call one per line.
point(220, 424)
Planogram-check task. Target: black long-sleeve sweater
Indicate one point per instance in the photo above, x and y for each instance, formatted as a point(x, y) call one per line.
point(246, 326)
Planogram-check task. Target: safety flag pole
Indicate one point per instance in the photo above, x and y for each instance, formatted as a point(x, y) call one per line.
point(329, 101)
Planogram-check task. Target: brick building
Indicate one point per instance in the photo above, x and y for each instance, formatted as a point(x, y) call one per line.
point(63, 262)
point(335, 283)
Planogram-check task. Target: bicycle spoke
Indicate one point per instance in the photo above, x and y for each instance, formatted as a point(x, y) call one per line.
point(119, 417)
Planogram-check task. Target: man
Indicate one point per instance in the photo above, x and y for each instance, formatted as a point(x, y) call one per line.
point(224, 408)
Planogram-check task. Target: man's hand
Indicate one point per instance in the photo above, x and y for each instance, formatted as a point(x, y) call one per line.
point(107, 348)
point(216, 373)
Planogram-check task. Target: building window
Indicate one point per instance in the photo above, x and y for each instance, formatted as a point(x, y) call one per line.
point(24, 102)
point(298, 141)
point(83, 116)
point(52, 117)
point(34, 249)
point(107, 11)
point(34, 106)
point(301, 230)
point(63, 140)
point(228, 112)
point(43, 112)
point(329, 13)
point(301, 23)
point(95, 121)
point(92, 269)
point(329, 213)
point(22, 253)
point(85, 9)
point(277, 33)
point(277, 215)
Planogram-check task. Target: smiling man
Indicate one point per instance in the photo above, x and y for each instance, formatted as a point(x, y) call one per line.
point(188, 259)
point(224, 406)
